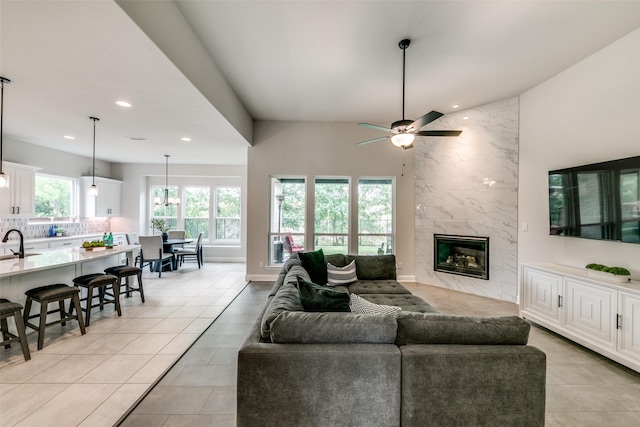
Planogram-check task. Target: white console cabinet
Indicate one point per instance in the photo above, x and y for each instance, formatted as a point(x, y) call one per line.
point(601, 315)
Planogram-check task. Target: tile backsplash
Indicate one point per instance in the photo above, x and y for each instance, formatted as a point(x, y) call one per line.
point(37, 230)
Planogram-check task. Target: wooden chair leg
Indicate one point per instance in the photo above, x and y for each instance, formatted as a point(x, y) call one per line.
point(23, 336)
point(116, 296)
point(5, 331)
point(88, 305)
point(43, 323)
point(75, 302)
point(62, 312)
point(140, 288)
point(27, 310)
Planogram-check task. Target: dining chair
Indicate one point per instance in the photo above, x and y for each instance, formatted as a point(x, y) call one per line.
point(132, 239)
point(151, 251)
point(192, 251)
point(177, 234)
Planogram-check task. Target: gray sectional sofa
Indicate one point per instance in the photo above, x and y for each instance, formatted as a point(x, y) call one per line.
point(418, 368)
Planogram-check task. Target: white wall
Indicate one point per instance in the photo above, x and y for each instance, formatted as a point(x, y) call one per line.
point(586, 114)
point(322, 149)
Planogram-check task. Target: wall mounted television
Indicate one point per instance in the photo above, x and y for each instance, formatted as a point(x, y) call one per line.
point(596, 201)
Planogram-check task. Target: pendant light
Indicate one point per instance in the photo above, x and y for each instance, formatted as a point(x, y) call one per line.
point(4, 180)
point(93, 190)
point(167, 201)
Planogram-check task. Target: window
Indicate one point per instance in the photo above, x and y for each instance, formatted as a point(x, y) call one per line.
point(331, 212)
point(375, 216)
point(161, 211)
point(227, 213)
point(196, 212)
point(55, 197)
point(287, 220)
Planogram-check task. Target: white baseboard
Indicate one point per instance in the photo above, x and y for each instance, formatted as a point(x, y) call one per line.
point(225, 259)
point(406, 278)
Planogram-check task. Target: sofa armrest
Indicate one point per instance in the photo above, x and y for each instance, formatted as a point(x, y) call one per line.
point(484, 385)
point(318, 385)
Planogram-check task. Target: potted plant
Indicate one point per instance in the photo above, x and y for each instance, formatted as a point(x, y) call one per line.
point(619, 274)
point(162, 225)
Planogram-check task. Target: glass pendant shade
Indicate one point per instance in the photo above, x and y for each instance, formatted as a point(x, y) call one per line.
point(168, 201)
point(4, 180)
point(93, 190)
point(402, 139)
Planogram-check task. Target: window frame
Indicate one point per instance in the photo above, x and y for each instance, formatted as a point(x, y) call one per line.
point(213, 226)
point(74, 201)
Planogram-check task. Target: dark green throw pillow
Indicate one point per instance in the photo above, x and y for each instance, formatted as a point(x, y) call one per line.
point(319, 298)
point(315, 265)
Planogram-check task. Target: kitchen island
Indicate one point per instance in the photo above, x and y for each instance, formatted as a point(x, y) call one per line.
point(18, 275)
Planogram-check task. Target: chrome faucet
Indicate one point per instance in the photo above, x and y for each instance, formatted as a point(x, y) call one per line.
point(20, 252)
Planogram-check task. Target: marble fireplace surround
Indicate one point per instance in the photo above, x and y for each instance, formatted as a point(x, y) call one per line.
point(468, 186)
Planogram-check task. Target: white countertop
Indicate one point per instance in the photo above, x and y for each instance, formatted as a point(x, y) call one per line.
point(582, 273)
point(53, 258)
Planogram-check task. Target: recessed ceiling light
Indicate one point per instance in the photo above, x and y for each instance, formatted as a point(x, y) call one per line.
point(465, 118)
point(185, 139)
point(456, 105)
point(69, 137)
point(123, 104)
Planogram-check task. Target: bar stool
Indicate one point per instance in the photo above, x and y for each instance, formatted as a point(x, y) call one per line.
point(45, 295)
point(13, 309)
point(101, 282)
point(126, 271)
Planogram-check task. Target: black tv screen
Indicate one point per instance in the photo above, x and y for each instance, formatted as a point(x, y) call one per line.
point(597, 201)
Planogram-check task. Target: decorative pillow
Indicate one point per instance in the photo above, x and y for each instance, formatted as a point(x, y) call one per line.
point(315, 265)
point(319, 298)
point(361, 305)
point(341, 275)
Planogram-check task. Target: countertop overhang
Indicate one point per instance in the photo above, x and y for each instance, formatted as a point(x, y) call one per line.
point(54, 258)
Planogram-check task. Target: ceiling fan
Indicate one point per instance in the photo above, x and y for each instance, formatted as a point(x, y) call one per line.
point(404, 131)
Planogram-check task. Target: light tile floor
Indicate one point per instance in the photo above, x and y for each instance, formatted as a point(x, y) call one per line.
point(94, 379)
point(583, 388)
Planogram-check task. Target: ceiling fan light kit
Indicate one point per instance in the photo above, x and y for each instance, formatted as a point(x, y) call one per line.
point(403, 132)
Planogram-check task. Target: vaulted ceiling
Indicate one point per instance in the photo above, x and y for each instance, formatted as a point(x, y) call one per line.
point(206, 69)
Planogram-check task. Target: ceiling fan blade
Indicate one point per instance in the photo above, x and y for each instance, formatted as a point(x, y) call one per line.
point(376, 127)
point(439, 133)
point(372, 140)
point(424, 120)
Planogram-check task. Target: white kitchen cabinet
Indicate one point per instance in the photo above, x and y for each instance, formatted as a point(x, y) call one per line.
point(599, 314)
point(107, 202)
point(18, 200)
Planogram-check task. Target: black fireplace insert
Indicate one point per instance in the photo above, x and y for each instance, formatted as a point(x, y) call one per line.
point(463, 255)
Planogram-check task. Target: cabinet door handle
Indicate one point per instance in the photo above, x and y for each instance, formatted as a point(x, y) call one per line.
point(618, 321)
point(18, 210)
point(66, 244)
point(559, 300)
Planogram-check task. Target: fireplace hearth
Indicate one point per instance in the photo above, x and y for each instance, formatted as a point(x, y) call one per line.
point(463, 255)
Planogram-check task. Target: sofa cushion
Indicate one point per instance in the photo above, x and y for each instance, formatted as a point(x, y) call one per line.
point(315, 265)
point(286, 299)
point(327, 328)
point(341, 275)
point(371, 267)
point(377, 287)
point(421, 328)
point(339, 260)
point(407, 302)
point(320, 298)
point(362, 306)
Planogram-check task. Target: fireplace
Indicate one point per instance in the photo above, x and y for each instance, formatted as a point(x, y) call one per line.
point(464, 255)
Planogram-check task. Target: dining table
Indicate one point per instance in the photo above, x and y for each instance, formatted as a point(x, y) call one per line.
point(168, 247)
